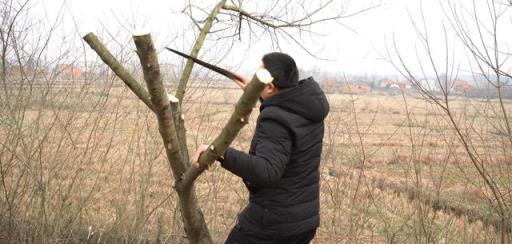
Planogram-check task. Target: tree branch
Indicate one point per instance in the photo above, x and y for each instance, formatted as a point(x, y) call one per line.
point(118, 68)
point(235, 123)
point(182, 85)
point(301, 22)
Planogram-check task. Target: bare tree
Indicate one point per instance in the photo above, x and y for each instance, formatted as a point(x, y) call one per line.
point(171, 125)
point(480, 34)
point(43, 150)
point(277, 20)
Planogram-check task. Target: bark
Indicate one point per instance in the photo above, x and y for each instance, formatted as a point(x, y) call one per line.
point(118, 68)
point(181, 132)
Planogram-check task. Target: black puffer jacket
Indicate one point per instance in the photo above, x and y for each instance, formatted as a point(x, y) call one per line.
point(281, 169)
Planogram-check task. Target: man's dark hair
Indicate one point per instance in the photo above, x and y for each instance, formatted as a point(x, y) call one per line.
point(283, 68)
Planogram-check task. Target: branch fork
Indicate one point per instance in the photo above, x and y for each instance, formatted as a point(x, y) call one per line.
point(167, 109)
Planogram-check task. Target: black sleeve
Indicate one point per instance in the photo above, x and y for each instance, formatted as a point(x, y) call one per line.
point(273, 150)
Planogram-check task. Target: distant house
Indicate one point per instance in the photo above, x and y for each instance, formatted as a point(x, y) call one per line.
point(461, 86)
point(356, 87)
point(386, 83)
point(404, 85)
point(69, 71)
point(394, 86)
point(17, 71)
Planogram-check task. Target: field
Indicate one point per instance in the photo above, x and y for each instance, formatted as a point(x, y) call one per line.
point(86, 164)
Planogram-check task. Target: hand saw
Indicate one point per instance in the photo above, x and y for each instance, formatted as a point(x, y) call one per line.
point(217, 69)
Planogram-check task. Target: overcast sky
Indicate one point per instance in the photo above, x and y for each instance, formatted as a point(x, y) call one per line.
point(356, 46)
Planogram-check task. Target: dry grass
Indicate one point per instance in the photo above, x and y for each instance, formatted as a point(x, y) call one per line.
point(89, 166)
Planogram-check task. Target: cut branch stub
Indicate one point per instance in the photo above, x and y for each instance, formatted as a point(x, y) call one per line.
point(118, 68)
point(235, 123)
point(181, 132)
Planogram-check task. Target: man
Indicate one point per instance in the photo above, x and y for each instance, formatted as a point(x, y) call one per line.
point(281, 170)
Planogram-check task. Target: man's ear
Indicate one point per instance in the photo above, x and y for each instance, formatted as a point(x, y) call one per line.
point(269, 88)
point(273, 88)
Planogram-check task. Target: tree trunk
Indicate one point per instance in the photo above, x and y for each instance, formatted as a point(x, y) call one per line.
point(195, 225)
point(172, 130)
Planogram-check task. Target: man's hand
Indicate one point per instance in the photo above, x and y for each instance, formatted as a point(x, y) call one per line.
point(241, 81)
point(197, 154)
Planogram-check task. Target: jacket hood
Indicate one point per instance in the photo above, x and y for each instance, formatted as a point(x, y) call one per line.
point(307, 100)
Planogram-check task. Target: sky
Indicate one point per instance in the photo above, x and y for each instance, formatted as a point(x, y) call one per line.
point(362, 44)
